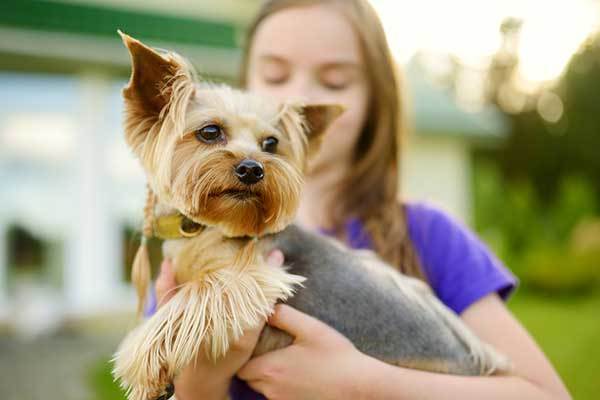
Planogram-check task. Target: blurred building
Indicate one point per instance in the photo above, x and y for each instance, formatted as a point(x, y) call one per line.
point(69, 186)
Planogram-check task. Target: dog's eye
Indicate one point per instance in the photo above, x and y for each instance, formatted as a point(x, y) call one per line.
point(210, 133)
point(270, 144)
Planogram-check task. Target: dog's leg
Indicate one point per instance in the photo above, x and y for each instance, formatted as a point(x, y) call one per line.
point(482, 354)
point(150, 356)
point(204, 315)
point(488, 360)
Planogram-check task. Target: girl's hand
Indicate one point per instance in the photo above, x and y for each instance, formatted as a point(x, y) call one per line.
point(203, 378)
point(320, 364)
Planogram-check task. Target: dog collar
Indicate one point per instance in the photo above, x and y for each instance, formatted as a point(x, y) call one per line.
point(176, 226)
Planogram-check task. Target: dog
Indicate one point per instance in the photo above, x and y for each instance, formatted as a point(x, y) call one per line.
point(225, 171)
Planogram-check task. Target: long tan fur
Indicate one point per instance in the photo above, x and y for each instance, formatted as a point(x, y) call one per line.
point(206, 314)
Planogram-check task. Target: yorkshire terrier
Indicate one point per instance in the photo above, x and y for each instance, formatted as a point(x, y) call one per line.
point(225, 171)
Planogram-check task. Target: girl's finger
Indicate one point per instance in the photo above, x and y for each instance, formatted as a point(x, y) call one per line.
point(165, 282)
point(258, 386)
point(275, 258)
point(247, 342)
point(294, 322)
point(254, 369)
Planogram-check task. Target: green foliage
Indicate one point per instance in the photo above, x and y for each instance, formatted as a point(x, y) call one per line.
point(556, 269)
point(536, 238)
point(102, 384)
point(533, 192)
point(545, 153)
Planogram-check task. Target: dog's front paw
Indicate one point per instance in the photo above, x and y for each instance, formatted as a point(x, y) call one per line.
point(151, 355)
point(168, 392)
point(155, 389)
point(141, 367)
point(145, 393)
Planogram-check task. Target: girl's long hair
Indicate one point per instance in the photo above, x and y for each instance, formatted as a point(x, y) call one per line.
point(370, 190)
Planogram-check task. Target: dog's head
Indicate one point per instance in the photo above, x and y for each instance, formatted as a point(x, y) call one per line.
point(220, 156)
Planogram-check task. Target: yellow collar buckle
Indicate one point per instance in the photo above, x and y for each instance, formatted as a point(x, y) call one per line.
point(176, 226)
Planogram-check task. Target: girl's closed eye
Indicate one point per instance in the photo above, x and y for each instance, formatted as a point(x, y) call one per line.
point(338, 77)
point(274, 72)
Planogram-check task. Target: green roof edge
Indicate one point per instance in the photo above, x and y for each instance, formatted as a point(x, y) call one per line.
point(93, 20)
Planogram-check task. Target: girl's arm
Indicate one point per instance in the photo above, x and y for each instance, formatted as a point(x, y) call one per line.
point(532, 378)
point(323, 364)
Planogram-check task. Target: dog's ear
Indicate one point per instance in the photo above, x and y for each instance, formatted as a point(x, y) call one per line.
point(158, 81)
point(317, 118)
point(151, 75)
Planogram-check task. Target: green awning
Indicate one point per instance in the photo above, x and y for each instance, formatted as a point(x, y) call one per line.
point(84, 19)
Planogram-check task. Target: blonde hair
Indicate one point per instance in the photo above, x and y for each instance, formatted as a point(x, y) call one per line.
point(370, 190)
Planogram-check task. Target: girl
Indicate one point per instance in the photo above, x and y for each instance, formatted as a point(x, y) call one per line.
point(335, 51)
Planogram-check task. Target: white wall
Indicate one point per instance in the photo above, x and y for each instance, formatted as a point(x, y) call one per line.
point(93, 264)
point(70, 186)
point(436, 169)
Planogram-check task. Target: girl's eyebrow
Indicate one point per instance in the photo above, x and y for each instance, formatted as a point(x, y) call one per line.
point(337, 64)
point(340, 65)
point(273, 58)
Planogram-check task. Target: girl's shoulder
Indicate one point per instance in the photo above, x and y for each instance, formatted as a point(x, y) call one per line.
point(460, 268)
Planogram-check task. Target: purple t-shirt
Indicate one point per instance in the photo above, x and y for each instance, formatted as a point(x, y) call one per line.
point(458, 266)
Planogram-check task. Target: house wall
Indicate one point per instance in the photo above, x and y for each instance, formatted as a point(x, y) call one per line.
point(436, 169)
point(74, 189)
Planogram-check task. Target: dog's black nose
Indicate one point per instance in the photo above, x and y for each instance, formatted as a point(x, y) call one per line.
point(249, 171)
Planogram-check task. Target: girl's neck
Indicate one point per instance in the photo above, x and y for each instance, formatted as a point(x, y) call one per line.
point(317, 197)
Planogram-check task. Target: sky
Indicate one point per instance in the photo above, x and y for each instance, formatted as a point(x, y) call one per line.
point(469, 29)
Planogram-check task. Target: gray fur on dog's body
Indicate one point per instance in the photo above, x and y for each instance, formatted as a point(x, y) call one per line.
point(386, 315)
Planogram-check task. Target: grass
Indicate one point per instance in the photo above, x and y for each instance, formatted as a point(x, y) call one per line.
point(566, 328)
point(101, 382)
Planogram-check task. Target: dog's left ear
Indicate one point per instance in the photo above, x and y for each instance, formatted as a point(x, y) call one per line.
point(151, 75)
point(317, 118)
point(159, 83)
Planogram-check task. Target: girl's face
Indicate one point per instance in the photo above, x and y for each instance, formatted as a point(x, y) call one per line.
point(312, 54)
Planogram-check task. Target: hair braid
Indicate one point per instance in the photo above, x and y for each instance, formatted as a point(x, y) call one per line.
point(140, 271)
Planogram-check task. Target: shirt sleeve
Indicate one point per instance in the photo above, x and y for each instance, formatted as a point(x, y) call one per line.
point(150, 306)
point(460, 268)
